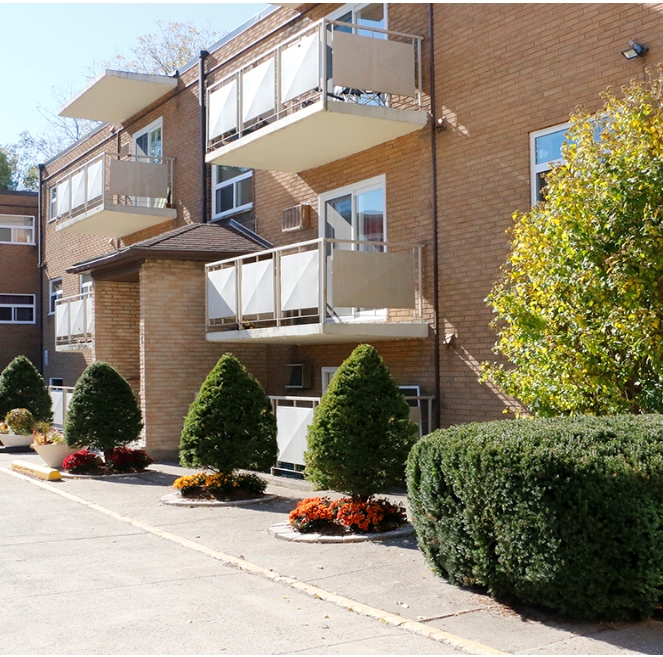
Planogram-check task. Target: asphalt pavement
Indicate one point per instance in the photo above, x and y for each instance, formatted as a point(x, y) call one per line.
point(102, 566)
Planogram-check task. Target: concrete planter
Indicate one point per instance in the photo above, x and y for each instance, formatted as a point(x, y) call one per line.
point(15, 440)
point(53, 455)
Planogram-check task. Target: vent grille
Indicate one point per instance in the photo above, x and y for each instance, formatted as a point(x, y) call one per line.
point(296, 218)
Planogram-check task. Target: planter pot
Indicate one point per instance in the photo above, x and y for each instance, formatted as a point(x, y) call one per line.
point(53, 455)
point(14, 440)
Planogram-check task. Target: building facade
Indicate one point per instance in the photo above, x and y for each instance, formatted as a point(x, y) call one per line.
point(324, 176)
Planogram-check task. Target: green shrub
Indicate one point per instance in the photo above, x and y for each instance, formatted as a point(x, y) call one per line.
point(361, 433)
point(103, 412)
point(21, 386)
point(563, 512)
point(20, 421)
point(230, 424)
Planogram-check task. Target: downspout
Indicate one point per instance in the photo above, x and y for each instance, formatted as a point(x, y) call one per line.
point(436, 264)
point(41, 265)
point(203, 136)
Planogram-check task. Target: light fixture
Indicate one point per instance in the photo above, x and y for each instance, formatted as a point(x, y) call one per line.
point(634, 50)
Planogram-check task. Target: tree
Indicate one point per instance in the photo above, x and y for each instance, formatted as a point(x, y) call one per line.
point(103, 412)
point(230, 424)
point(361, 432)
point(579, 307)
point(21, 386)
point(6, 170)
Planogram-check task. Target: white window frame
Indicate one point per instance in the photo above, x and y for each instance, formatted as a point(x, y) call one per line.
point(51, 383)
point(53, 296)
point(15, 306)
point(85, 287)
point(378, 182)
point(327, 375)
point(354, 8)
point(14, 228)
point(52, 203)
point(542, 167)
point(227, 183)
point(158, 123)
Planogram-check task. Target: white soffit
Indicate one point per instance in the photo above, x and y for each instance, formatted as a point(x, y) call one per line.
point(115, 96)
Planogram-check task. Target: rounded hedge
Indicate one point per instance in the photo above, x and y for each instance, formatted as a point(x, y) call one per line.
point(21, 386)
point(566, 513)
point(230, 424)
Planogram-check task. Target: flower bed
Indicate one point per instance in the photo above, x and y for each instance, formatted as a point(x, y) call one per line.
point(220, 486)
point(118, 461)
point(347, 515)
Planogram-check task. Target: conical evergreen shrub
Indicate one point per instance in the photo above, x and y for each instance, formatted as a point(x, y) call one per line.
point(230, 424)
point(21, 386)
point(103, 412)
point(361, 432)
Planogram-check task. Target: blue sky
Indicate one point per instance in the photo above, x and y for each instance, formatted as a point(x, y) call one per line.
point(54, 44)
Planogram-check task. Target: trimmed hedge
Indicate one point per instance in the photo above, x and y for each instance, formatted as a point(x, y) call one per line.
point(566, 513)
point(21, 386)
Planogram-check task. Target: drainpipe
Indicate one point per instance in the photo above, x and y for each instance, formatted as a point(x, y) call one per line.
point(436, 266)
point(41, 265)
point(203, 136)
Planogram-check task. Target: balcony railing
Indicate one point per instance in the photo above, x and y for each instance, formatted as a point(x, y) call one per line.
point(331, 62)
point(319, 281)
point(74, 321)
point(60, 396)
point(109, 182)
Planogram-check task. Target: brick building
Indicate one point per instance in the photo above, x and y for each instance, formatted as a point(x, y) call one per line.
point(329, 214)
point(19, 277)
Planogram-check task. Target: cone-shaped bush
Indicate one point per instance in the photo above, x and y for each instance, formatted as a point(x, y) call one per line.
point(21, 386)
point(103, 412)
point(361, 432)
point(230, 423)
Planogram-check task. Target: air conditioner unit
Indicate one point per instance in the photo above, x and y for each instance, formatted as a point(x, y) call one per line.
point(296, 218)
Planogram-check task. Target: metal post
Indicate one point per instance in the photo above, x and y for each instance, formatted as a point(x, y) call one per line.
point(323, 43)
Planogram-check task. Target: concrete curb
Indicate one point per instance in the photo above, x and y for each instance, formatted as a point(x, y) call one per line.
point(175, 499)
point(36, 470)
point(285, 532)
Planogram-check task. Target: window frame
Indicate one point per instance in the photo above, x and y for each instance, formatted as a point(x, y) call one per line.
point(56, 385)
point(13, 228)
point(227, 183)
point(157, 123)
point(542, 167)
point(52, 203)
point(354, 8)
point(85, 287)
point(15, 306)
point(54, 296)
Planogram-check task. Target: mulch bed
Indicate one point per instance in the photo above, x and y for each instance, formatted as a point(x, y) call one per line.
point(232, 496)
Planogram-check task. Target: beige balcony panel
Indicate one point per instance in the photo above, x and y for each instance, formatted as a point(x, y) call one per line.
point(115, 96)
point(143, 179)
point(314, 136)
point(371, 279)
point(373, 64)
point(115, 220)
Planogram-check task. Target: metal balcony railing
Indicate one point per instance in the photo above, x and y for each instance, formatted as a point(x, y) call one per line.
point(323, 280)
point(331, 62)
point(60, 396)
point(110, 180)
point(74, 320)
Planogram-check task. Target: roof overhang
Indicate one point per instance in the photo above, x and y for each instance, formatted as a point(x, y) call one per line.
point(115, 96)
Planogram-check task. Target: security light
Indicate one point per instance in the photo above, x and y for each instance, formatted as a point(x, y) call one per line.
point(634, 50)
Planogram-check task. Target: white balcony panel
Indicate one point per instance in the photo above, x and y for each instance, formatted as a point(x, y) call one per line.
point(62, 320)
point(64, 197)
point(300, 280)
point(300, 67)
point(115, 96)
point(258, 91)
point(223, 110)
point(116, 220)
point(258, 287)
point(292, 424)
point(313, 137)
point(95, 180)
point(78, 323)
point(57, 397)
point(371, 279)
point(222, 293)
point(362, 62)
point(78, 189)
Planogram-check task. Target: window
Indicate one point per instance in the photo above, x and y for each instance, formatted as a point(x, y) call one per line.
point(371, 15)
point(16, 229)
point(56, 382)
point(86, 283)
point(545, 151)
point(327, 376)
point(53, 203)
point(54, 293)
point(17, 308)
point(148, 142)
point(356, 212)
point(233, 190)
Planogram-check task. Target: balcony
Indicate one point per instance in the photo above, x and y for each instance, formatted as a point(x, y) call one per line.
point(333, 90)
point(74, 321)
point(114, 197)
point(320, 291)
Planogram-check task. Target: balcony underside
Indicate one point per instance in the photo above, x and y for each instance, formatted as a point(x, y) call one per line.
point(116, 220)
point(314, 136)
point(330, 332)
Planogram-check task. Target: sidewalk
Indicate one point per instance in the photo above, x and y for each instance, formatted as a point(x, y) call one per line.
point(391, 576)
